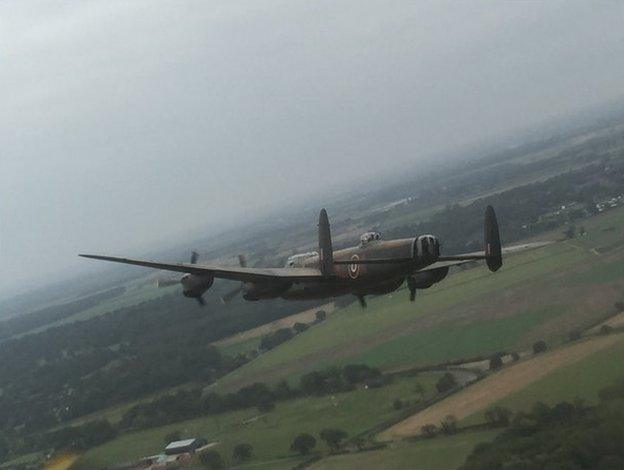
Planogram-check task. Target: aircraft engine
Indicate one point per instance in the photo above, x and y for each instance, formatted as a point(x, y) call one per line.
point(194, 286)
point(427, 248)
point(425, 279)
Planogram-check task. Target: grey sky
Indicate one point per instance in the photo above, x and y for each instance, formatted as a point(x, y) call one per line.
point(129, 122)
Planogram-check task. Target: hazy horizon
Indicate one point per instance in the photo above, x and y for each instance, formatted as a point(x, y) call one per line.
point(128, 124)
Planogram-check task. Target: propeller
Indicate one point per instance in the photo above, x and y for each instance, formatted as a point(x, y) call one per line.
point(362, 301)
point(234, 292)
point(411, 285)
point(166, 282)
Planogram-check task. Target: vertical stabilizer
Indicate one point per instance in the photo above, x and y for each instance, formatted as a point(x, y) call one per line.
point(493, 250)
point(326, 252)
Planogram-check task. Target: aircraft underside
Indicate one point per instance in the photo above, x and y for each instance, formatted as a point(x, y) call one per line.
point(320, 290)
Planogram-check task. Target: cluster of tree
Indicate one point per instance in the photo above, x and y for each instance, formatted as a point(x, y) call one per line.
point(447, 426)
point(212, 460)
point(274, 339)
point(336, 379)
point(72, 438)
point(446, 383)
point(566, 435)
point(304, 443)
point(65, 372)
point(185, 404)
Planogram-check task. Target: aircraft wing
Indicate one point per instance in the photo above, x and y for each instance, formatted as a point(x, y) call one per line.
point(456, 260)
point(222, 272)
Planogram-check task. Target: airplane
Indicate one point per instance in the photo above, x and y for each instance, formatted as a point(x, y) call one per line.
point(374, 267)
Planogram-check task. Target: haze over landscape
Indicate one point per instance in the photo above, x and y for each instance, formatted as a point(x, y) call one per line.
point(130, 123)
point(457, 304)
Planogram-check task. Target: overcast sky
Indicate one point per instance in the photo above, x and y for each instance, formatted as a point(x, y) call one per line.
point(127, 123)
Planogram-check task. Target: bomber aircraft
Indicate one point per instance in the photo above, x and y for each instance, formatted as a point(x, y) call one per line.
point(373, 267)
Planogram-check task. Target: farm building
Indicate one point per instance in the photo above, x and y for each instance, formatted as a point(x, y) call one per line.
point(185, 446)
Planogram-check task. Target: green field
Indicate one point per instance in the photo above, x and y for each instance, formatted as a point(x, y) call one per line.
point(466, 316)
point(582, 380)
point(271, 434)
point(240, 347)
point(540, 294)
point(444, 453)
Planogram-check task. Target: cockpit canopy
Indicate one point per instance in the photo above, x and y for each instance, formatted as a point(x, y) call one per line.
point(299, 259)
point(368, 237)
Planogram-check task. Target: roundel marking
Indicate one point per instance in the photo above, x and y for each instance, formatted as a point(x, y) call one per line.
point(354, 269)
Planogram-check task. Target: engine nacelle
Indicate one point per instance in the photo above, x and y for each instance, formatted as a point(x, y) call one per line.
point(425, 279)
point(426, 248)
point(194, 286)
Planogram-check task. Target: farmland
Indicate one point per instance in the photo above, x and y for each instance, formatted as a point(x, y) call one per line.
point(271, 433)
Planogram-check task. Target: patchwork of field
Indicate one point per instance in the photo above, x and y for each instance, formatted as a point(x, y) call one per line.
point(540, 294)
point(510, 386)
point(272, 433)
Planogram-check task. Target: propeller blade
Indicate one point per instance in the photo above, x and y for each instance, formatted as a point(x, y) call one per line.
point(194, 257)
point(201, 301)
point(242, 261)
point(230, 295)
point(411, 285)
point(167, 282)
point(362, 301)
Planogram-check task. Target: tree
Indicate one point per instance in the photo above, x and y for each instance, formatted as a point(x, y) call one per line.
point(359, 443)
point(320, 316)
point(242, 452)
point(619, 306)
point(605, 329)
point(570, 231)
point(496, 362)
point(498, 416)
point(447, 382)
point(357, 373)
point(211, 459)
point(303, 443)
point(273, 340)
point(397, 404)
point(515, 356)
point(300, 327)
point(449, 425)
point(172, 436)
point(429, 430)
point(539, 347)
point(333, 437)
